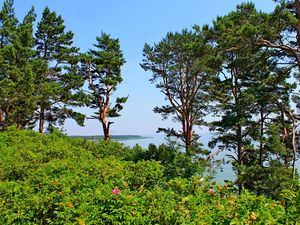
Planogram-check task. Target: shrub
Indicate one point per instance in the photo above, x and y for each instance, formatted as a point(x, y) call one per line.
point(57, 180)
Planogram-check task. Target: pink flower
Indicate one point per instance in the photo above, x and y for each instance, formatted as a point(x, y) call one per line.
point(211, 191)
point(115, 191)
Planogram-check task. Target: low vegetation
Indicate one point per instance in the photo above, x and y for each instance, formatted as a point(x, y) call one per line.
point(54, 179)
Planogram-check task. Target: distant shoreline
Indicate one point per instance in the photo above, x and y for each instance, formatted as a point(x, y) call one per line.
point(113, 137)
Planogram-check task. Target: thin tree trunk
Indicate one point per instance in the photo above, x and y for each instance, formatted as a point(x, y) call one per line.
point(239, 145)
point(23, 125)
point(297, 6)
point(19, 122)
point(7, 116)
point(292, 117)
point(294, 150)
point(261, 144)
point(239, 154)
point(1, 118)
point(284, 136)
point(189, 138)
point(42, 120)
point(184, 131)
point(105, 132)
point(105, 125)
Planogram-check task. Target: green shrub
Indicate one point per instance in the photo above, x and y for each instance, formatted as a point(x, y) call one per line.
point(53, 179)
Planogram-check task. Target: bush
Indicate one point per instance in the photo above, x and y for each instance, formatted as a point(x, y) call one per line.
point(57, 180)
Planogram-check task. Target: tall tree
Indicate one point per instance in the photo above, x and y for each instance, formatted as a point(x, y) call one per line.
point(103, 73)
point(8, 26)
point(8, 23)
point(23, 61)
point(247, 94)
point(182, 65)
point(284, 36)
point(16, 83)
point(59, 80)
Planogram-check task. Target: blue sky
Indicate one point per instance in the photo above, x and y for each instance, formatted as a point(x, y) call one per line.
point(134, 22)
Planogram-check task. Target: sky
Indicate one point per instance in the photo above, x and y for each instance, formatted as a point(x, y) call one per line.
point(134, 22)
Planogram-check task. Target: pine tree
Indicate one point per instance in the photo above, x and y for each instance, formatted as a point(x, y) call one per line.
point(16, 52)
point(182, 65)
point(8, 23)
point(248, 92)
point(102, 67)
point(24, 62)
point(283, 36)
point(59, 82)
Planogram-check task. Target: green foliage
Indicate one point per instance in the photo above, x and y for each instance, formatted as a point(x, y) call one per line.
point(58, 82)
point(40, 77)
point(252, 95)
point(102, 71)
point(54, 179)
point(17, 77)
point(176, 163)
point(183, 65)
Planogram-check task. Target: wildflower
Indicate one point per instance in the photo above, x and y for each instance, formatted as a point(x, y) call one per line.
point(211, 191)
point(253, 216)
point(115, 191)
point(69, 204)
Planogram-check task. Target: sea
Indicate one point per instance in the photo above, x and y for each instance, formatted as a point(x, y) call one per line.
point(222, 172)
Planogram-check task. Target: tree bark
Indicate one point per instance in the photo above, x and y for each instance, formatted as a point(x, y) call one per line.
point(105, 132)
point(261, 144)
point(294, 151)
point(189, 138)
point(240, 145)
point(42, 120)
point(105, 125)
point(19, 122)
point(2, 121)
point(297, 7)
point(293, 118)
point(285, 135)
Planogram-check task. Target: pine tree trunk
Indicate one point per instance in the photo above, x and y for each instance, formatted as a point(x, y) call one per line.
point(297, 6)
point(292, 117)
point(1, 118)
point(189, 137)
point(184, 132)
point(42, 120)
point(23, 125)
point(294, 150)
point(284, 136)
point(106, 136)
point(239, 145)
point(105, 128)
point(239, 155)
point(7, 116)
point(19, 122)
point(261, 144)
